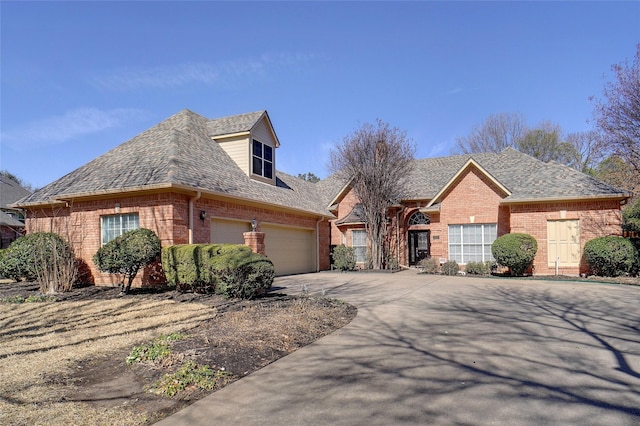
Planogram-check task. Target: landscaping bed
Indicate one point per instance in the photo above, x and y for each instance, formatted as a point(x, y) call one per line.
point(65, 361)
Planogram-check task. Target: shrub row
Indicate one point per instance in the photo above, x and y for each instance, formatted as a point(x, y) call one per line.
point(229, 269)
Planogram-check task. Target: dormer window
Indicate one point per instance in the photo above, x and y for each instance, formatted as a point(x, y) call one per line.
point(262, 160)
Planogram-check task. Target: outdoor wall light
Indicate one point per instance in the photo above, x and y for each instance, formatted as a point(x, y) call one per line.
point(203, 214)
point(254, 224)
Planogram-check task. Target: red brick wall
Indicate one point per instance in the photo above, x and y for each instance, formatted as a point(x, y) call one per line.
point(164, 213)
point(472, 198)
point(596, 219)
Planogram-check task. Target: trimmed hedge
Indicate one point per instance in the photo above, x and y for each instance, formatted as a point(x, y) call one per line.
point(610, 256)
point(515, 251)
point(229, 269)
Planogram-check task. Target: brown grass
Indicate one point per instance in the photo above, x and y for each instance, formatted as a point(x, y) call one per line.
point(39, 341)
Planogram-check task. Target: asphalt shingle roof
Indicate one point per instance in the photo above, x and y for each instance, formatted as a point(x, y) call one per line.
point(180, 151)
point(525, 177)
point(10, 191)
point(233, 123)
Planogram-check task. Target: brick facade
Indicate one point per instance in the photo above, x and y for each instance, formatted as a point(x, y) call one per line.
point(167, 215)
point(473, 198)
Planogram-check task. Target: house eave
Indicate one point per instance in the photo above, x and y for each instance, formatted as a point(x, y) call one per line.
point(540, 200)
point(69, 198)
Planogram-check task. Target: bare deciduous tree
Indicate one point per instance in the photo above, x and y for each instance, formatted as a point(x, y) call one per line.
point(589, 149)
point(376, 160)
point(498, 132)
point(618, 116)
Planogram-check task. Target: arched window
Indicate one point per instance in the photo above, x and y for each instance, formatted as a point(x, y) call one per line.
point(418, 218)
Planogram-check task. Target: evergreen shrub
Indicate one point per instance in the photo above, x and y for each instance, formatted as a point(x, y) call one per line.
point(515, 251)
point(479, 268)
point(610, 256)
point(344, 258)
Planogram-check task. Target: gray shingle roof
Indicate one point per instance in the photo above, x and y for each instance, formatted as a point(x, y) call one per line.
point(525, 177)
point(10, 191)
point(233, 123)
point(7, 220)
point(179, 151)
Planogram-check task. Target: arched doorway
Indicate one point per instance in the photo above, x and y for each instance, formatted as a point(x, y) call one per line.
point(419, 241)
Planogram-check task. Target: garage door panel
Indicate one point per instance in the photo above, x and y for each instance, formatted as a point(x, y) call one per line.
point(224, 231)
point(292, 250)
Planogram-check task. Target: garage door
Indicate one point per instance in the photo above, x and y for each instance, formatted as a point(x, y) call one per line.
point(292, 250)
point(228, 231)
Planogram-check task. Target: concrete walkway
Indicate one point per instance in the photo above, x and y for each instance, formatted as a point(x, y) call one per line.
point(427, 350)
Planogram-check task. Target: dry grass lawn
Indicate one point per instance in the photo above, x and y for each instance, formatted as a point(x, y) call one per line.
point(41, 341)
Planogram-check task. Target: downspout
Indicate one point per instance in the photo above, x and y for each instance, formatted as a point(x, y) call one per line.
point(318, 243)
point(191, 201)
point(398, 236)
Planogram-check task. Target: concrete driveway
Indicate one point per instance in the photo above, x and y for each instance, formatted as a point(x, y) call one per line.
point(428, 349)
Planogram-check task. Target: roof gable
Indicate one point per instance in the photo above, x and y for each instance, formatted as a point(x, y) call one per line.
point(471, 163)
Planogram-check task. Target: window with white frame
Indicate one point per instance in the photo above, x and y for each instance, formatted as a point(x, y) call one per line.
point(359, 242)
point(262, 159)
point(115, 225)
point(471, 243)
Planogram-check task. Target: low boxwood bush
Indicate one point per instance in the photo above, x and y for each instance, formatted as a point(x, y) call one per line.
point(515, 251)
point(610, 256)
point(344, 258)
point(429, 265)
point(229, 269)
point(479, 268)
point(450, 268)
point(241, 273)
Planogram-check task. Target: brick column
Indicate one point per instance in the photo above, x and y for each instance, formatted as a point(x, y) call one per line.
point(255, 240)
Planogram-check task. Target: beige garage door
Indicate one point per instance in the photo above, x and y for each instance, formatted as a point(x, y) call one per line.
point(292, 250)
point(228, 231)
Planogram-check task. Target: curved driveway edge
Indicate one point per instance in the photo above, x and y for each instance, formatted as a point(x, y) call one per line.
point(428, 349)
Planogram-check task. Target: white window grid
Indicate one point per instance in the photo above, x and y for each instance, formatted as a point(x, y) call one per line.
point(472, 242)
point(115, 225)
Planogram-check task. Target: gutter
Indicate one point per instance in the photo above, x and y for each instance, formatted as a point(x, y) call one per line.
point(191, 202)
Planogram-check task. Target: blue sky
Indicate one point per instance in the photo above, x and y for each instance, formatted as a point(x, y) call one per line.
point(79, 78)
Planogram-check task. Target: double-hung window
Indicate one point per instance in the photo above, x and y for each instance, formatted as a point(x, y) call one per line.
point(471, 243)
point(115, 225)
point(359, 242)
point(262, 159)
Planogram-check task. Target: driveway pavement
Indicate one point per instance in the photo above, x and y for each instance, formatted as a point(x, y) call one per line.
point(428, 349)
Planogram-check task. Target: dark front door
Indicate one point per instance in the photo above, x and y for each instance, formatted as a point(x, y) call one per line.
point(419, 246)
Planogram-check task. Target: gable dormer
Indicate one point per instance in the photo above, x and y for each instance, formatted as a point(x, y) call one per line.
point(250, 141)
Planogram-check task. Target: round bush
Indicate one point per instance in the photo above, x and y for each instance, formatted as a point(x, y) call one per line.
point(128, 253)
point(610, 256)
point(515, 251)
